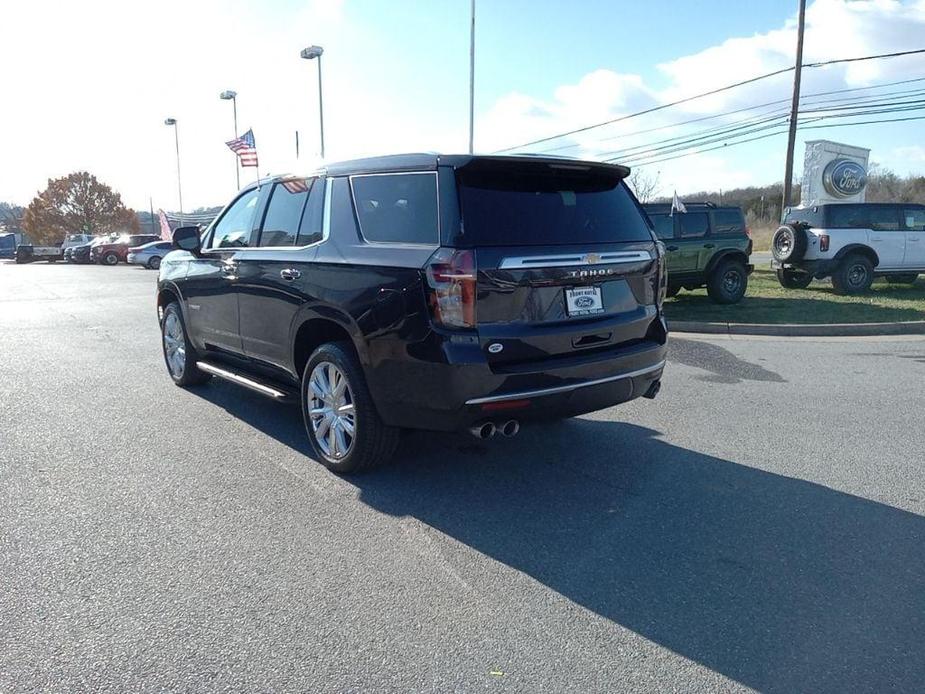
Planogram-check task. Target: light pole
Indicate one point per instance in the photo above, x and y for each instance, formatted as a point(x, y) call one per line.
point(472, 77)
point(229, 95)
point(311, 53)
point(176, 135)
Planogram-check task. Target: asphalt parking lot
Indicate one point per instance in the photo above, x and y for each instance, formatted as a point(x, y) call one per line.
point(759, 525)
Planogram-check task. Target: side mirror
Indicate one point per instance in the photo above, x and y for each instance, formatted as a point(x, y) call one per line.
point(187, 239)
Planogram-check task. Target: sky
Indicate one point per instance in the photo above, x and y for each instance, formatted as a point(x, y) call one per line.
point(87, 84)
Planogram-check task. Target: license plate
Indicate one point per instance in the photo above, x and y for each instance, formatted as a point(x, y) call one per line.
point(583, 301)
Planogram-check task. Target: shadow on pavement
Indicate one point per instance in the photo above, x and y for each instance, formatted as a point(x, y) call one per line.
point(777, 583)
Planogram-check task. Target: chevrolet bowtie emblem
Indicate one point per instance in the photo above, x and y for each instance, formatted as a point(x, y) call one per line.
point(592, 258)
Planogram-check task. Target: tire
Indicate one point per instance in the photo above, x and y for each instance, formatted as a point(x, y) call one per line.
point(672, 291)
point(790, 279)
point(854, 275)
point(154, 263)
point(182, 368)
point(909, 278)
point(728, 282)
point(788, 243)
point(372, 443)
point(110, 259)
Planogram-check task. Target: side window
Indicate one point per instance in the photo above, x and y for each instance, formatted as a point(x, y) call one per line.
point(310, 230)
point(397, 208)
point(281, 222)
point(847, 217)
point(233, 230)
point(914, 219)
point(884, 219)
point(664, 225)
point(728, 222)
point(694, 224)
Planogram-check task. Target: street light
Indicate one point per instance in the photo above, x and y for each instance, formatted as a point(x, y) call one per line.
point(309, 54)
point(176, 135)
point(229, 95)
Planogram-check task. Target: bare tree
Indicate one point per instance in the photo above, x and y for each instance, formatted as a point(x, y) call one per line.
point(644, 185)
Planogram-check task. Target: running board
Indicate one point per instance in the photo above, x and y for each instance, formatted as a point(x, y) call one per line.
point(274, 392)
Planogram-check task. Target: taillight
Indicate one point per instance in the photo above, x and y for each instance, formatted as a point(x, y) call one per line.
point(748, 232)
point(662, 279)
point(824, 242)
point(451, 277)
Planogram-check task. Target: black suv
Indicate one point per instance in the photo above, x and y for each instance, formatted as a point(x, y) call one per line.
point(708, 246)
point(422, 291)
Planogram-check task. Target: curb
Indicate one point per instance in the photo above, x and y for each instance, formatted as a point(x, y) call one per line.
point(799, 329)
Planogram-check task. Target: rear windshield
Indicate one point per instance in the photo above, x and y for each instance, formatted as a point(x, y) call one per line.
point(547, 206)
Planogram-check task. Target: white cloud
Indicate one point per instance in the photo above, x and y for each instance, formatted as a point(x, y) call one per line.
point(835, 29)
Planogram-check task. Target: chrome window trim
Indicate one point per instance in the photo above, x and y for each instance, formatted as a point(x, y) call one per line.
point(526, 394)
point(356, 211)
point(573, 259)
point(325, 229)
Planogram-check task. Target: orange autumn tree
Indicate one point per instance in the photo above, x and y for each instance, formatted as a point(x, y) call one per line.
point(77, 203)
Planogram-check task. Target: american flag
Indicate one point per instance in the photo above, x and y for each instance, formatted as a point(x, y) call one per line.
point(245, 147)
point(295, 185)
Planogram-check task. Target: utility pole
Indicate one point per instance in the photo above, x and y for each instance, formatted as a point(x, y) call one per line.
point(153, 222)
point(472, 77)
point(794, 111)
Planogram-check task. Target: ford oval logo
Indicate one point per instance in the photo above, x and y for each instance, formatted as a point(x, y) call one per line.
point(584, 302)
point(843, 178)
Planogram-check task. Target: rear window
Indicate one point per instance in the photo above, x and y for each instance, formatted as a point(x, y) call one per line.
point(728, 221)
point(539, 205)
point(397, 208)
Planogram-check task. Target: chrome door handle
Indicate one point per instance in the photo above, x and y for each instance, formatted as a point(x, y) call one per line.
point(290, 274)
point(229, 268)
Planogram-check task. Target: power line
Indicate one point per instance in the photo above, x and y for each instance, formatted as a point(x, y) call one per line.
point(805, 98)
point(648, 162)
point(710, 93)
point(861, 107)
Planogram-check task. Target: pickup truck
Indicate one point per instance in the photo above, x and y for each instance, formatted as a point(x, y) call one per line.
point(28, 253)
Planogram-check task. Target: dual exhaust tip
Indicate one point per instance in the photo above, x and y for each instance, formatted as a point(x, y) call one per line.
point(486, 430)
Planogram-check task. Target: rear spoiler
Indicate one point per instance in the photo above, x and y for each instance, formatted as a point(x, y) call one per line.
point(560, 163)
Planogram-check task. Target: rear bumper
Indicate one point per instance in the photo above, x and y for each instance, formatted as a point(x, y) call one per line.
point(132, 259)
point(465, 390)
point(816, 268)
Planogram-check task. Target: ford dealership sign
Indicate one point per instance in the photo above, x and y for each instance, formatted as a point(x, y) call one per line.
point(843, 178)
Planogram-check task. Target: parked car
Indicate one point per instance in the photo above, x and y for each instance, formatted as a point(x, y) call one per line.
point(81, 254)
point(114, 251)
point(422, 292)
point(708, 246)
point(149, 254)
point(852, 243)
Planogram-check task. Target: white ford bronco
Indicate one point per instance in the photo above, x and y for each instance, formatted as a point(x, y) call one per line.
point(851, 243)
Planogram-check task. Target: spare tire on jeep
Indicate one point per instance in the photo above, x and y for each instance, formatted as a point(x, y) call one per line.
point(789, 243)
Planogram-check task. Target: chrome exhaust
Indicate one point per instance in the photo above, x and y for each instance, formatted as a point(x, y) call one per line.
point(510, 428)
point(483, 431)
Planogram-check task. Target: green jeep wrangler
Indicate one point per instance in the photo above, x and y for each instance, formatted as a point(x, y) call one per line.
point(708, 246)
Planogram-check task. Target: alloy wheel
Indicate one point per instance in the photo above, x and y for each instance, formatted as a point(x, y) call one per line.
point(331, 410)
point(174, 345)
